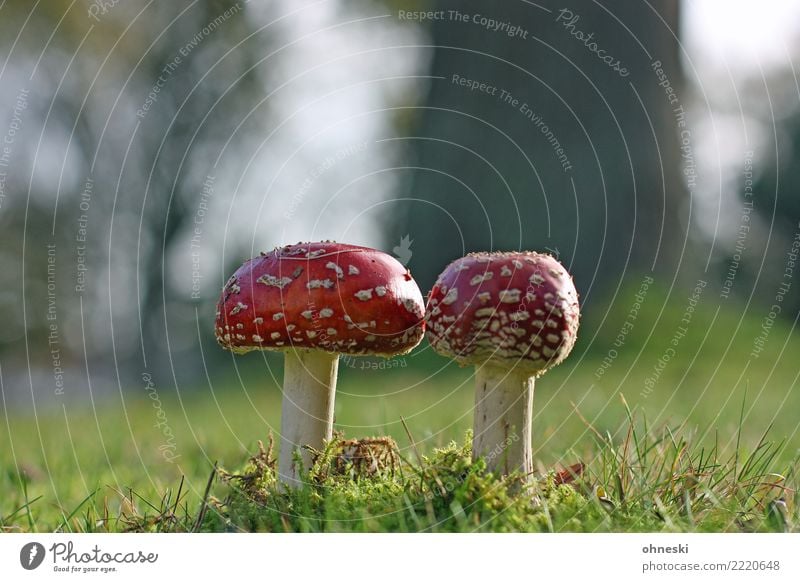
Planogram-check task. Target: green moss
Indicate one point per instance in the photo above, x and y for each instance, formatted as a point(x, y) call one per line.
point(447, 492)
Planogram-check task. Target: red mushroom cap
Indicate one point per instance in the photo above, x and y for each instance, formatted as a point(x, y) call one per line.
point(516, 308)
point(328, 296)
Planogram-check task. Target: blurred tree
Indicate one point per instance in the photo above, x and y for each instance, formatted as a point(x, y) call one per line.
point(128, 112)
point(570, 145)
point(776, 199)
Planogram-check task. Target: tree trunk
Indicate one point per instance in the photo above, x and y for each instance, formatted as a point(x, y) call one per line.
point(559, 150)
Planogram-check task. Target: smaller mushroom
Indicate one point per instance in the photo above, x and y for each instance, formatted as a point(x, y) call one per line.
point(512, 315)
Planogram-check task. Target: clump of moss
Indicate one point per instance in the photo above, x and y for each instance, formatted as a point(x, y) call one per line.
point(344, 491)
point(650, 482)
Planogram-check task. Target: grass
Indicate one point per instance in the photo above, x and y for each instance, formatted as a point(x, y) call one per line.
point(714, 446)
point(651, 480)
point(650, 483)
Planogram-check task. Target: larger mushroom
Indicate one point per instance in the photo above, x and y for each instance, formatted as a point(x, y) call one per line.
point(512, 315)
point(314, 301)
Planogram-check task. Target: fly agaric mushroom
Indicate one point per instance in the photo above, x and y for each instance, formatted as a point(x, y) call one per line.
point(513, 316)
point(314, 301)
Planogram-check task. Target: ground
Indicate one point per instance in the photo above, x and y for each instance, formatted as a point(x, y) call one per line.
point(711, 445)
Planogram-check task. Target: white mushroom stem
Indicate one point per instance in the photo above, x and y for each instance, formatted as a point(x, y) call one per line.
point(309, 388)
point(503, 416)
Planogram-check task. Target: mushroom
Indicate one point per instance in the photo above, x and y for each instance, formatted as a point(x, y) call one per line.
point(512, 315)
point(314, 301)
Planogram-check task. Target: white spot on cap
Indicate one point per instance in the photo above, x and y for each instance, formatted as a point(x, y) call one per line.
point(317, 283)
point(237, 308)
point(519, 316)
point(274, 335)
point(331, 331)
point(537, 279)
point(484, 312)
point(451, 296)
point(272, 281)
point(510, 295)
point(315, 254)
point(517, 263)
point(364, 294)
point(461, 267)
point(277, 316)
point(352, 270)
point(257, 338)
point(311, 334)
point(552, 338)
point(380, 291)
point(308, 314)
point(325, 312)
point(478, 279)
point(290, 327)
point(484, 297)
point(370, 338)
point(505, 271)
point(258, 320)
point(333, 266)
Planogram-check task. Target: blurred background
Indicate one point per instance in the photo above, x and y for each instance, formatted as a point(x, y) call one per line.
point(148, 148)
